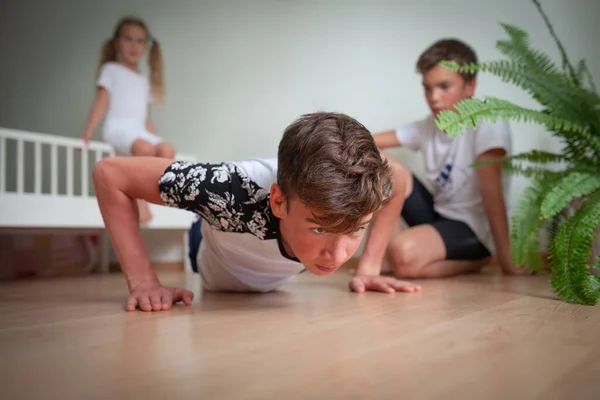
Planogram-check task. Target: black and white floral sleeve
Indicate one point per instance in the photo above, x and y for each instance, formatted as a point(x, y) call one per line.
point(222, 194)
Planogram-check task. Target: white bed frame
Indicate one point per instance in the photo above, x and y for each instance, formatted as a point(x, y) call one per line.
point(27, 209)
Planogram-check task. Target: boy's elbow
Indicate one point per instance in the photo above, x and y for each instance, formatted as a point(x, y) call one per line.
point(103, 173)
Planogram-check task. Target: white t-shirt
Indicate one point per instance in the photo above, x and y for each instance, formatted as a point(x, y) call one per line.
point(130, 92)
point(240, 233)
point(448, 169)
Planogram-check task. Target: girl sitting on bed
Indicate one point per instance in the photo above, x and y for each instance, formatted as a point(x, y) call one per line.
point(124, 95)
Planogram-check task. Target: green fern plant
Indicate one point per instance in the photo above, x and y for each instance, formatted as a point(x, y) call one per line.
point(570, 110)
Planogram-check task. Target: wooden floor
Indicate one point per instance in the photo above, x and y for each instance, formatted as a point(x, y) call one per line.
point(464, 338)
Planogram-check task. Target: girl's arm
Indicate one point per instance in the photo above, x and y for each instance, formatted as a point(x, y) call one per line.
point(97, 112)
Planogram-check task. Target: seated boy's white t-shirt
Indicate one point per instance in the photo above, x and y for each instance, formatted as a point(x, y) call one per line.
point(449, 172)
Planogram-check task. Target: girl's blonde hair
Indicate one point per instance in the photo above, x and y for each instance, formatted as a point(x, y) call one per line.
point(155, 62)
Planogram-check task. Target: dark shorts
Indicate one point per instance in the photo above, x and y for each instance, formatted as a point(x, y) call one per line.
point(194, 239)
point(460, 240)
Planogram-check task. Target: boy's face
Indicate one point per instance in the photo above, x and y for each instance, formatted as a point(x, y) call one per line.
point(321, 252)
point(444, 88)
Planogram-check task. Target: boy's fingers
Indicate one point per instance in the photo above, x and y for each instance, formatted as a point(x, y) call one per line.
point(357, 285)
point(144, 303)
point(383, 287)
point(183, 295)
point(188, 297)
point(131, 304)
point(156, 302)
point(406, 286)
point(167, 301)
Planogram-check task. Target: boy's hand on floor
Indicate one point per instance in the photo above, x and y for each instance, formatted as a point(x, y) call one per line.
point(512, 270)
point(509, 268)
point(155, 297)
point(386, 284)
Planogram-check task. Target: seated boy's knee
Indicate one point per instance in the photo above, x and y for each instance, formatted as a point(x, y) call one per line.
point(407, 271)
point(403, 257)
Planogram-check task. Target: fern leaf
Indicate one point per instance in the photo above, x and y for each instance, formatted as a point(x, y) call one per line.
point(584, 73)
point(552, 90)
point(533, 156)
point(570, 187)
point(518, 49)
point(581, 67)
point(553, 227)
point(565, 58)
point(516, 168)
point(470, 112)
point(570, 252)
point(526, 226)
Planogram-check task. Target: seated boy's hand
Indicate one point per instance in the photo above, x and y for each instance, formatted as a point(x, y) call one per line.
point(386, 284)
point(155, 297)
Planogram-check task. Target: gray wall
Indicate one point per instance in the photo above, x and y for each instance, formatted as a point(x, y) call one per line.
point(237, 72)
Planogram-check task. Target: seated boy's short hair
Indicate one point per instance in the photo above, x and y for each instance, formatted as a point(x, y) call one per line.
point(330, 162)
point(447, 50)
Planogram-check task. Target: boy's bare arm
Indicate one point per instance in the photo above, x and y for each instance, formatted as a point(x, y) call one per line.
point(118, 183)
point(386, 139)
point(490, 183)
point(367, 275)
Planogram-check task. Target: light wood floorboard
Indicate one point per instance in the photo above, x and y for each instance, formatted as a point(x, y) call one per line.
point(472, 337)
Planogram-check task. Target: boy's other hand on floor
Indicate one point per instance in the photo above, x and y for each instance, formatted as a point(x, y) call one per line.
point(152, 296)
point(508, 267)
point(386, 284)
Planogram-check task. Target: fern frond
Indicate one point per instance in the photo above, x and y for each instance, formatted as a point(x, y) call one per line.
point(565, 58)
point(533, 156)
point(470, 112)
point(553, 227)
point(518, 50)
point(570, 252)
point(552, 90)
point(525, 229)
point(517, 168)
point(584, 73)
point(570, 187)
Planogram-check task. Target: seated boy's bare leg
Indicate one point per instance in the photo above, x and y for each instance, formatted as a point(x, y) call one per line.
point(420, 252)
point(445, 268)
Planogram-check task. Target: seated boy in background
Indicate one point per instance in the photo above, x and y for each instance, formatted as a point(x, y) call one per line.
point(456, 228)
point(263, 221)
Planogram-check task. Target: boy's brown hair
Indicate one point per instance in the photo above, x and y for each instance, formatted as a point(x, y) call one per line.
point(330, 162)
point(447, 50)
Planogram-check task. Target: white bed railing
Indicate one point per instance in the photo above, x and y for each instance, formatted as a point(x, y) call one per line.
point(22, 162)
point(46, 185)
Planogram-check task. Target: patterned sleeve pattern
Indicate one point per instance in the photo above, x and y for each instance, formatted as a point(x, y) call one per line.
point(222, 194)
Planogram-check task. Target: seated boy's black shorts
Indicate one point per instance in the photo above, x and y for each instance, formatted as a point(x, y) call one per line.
point(460, 240)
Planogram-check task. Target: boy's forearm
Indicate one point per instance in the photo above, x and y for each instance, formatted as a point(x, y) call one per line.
point(492, 193)
point(120, 217)
point(386, 139)
point(378, 237)
point(383, 224)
